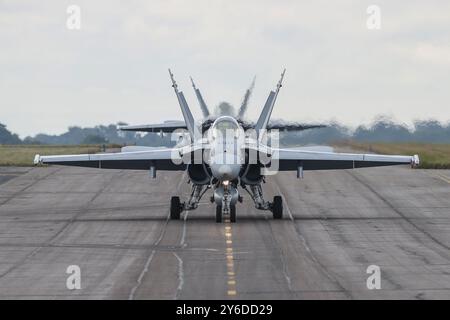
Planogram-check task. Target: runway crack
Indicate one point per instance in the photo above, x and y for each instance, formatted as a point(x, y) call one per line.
point(312, 256)
point(180, 276)
point(63, 228)
point(152, 252)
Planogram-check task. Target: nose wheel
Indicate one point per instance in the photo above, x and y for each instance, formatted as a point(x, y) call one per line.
point(220, 213)
point(233, 213)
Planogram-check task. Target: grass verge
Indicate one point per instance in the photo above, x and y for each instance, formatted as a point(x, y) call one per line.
point(23, 155)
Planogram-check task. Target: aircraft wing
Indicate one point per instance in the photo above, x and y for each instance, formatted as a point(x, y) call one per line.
point(166, 127)
point(291, 159)
point(159, 158)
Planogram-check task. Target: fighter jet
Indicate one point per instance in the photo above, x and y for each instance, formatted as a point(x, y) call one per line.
point(227, 155)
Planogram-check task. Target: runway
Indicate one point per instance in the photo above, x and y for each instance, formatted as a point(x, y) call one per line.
point(114, 225)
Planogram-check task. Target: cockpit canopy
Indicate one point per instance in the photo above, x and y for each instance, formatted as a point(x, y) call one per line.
point(225, 127)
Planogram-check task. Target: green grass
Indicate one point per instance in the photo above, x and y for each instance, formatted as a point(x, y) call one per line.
point(23, 155)
point(432, 156)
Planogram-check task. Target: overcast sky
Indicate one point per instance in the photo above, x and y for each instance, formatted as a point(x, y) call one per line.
point(115, 67)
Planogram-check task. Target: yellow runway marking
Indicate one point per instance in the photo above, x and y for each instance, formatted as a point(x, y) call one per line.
point(231, 280)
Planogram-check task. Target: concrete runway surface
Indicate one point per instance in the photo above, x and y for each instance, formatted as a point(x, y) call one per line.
point(114, 225)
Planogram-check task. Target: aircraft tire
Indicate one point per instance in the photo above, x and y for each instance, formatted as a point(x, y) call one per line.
point(218, 214)
point(233, 213)
point(175, 208)
point(277, 207)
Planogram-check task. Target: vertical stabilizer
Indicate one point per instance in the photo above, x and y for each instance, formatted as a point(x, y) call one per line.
point(263, 119)
point(202, 103)
point(187, 115)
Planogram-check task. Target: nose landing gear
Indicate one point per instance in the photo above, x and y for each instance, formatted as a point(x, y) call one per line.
point(233, 213)
point(220, 213)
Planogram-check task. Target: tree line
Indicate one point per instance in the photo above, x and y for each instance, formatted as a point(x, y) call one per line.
point(382, 130)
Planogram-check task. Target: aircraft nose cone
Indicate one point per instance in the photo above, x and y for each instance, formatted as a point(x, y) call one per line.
point(225, 172)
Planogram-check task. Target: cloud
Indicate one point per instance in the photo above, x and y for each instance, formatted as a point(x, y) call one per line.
point(431, 53)
point(115, 67)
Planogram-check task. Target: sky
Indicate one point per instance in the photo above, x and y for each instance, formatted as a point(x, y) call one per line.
point(114, 68)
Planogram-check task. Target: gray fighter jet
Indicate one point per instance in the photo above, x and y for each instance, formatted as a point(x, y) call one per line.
point(226, 154)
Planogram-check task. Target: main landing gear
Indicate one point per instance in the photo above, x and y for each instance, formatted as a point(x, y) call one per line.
point(255, 192)
point(226, 207)
point(175, 208)
point(277, 207)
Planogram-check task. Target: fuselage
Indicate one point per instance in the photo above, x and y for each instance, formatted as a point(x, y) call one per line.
point(226, 155)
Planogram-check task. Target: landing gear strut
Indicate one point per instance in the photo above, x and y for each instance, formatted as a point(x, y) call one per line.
point(256, 194)
point(226, 196)
point(176, 206)
point(226, 206)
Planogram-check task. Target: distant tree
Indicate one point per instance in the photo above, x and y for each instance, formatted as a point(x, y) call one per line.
point(30, 140)
point(383, 130)
point(94, 139)
point(6, 137)
point(432, 130)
